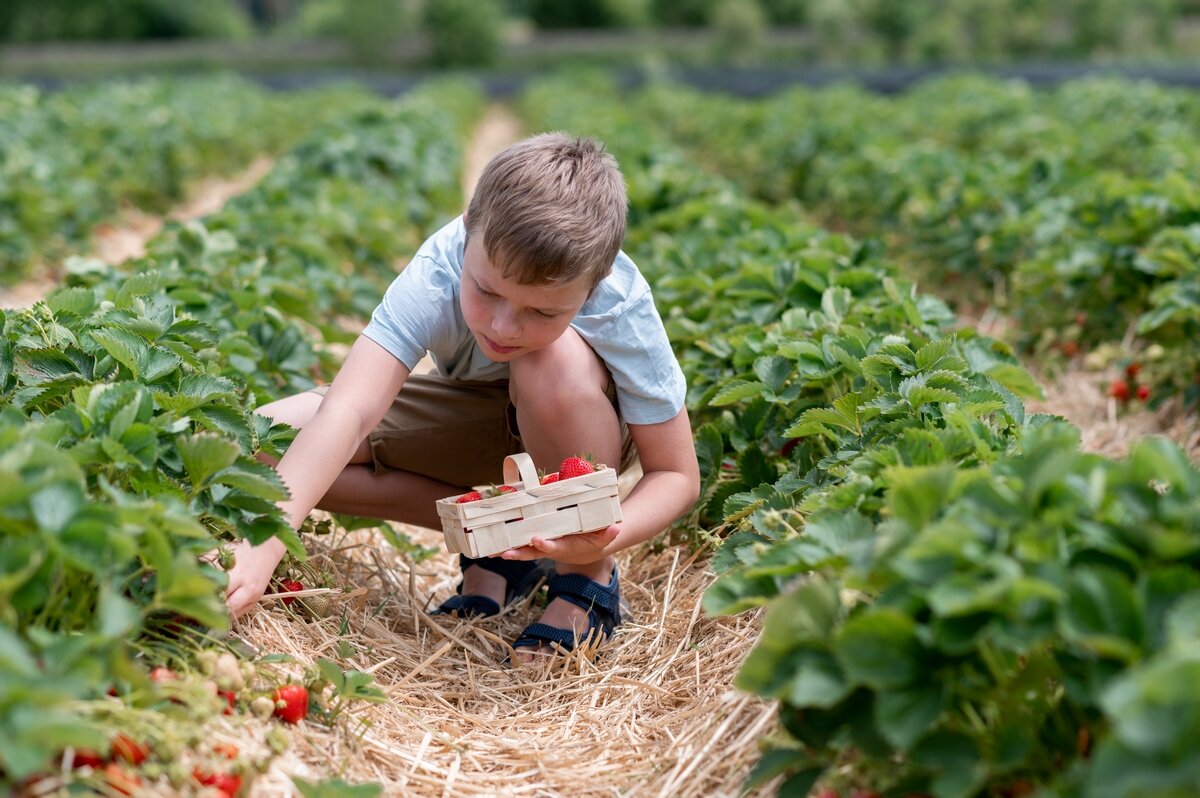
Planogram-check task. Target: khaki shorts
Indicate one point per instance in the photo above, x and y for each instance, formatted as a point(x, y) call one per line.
point(455, 431)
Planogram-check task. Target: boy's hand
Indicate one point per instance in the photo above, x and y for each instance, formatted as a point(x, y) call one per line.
point(581, 549)
point(251, 573)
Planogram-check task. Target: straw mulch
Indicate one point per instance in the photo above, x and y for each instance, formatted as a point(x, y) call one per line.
point(655, 715)
point(1106, 427)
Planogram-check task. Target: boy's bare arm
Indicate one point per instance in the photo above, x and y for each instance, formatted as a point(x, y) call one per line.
point(361, 393)
point(669, 486)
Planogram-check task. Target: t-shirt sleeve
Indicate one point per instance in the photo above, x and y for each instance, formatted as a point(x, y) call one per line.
point(634, 346)
point(411, 319)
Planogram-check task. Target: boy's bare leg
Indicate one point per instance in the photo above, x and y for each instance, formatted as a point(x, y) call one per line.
point(563, 410)
point(392, 495)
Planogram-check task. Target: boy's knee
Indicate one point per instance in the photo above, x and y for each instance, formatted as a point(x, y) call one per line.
point(558, 378)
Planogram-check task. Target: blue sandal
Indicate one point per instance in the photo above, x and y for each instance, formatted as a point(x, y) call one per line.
point(601, 602)
point(521, 578)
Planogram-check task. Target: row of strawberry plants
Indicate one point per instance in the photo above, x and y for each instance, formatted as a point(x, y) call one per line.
point(129, 430)
point(1079, 201)
point(958, 602)
point(74, 158)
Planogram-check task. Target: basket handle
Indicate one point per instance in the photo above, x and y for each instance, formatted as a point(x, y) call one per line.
point(520, 465)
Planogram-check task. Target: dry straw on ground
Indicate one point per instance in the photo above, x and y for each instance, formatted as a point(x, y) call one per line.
point(1106, 426)
point(654, 715)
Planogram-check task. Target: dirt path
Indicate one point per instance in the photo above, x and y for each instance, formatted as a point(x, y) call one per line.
point(498, 129)
point(125, 238)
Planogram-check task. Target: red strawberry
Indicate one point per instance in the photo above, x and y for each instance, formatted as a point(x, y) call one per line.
point(86, 757)
point(473, 496)
point(125, 747)
point(291, 703)
point(1132, 370)
point(549, 478)
point(230, 784)
point(161, 675)
point(121, 780)
point(1143, 392)
point(227, 750)
point(506, 489)
point(290, 586)
point(229, 697)
point(1070, 348)
point(1119, 389)
point(576, 467)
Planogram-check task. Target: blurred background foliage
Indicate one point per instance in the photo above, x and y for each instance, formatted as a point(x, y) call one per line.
point(482, 32)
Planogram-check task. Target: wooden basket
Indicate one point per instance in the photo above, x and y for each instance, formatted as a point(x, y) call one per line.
point(567, 507)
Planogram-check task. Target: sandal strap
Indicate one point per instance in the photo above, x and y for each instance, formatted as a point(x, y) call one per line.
point(537, 633)
point(601, 602)
point(468, 605)
point(520, 578)
point(587, 594)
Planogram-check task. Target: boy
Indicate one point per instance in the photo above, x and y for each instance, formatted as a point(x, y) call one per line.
point(546, 340)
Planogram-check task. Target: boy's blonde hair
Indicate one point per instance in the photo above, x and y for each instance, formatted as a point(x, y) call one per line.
point(551, 209)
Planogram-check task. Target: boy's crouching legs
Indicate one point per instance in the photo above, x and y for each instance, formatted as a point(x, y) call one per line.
point(563, 409)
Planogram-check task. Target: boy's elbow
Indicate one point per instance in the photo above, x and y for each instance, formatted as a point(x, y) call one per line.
point(692, 486)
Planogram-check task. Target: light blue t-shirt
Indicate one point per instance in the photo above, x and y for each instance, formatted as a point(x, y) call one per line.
point(420, 313)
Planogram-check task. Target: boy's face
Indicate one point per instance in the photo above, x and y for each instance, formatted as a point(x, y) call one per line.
point(507, 318)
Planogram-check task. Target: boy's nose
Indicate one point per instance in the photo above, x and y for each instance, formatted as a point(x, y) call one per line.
point(504, 323)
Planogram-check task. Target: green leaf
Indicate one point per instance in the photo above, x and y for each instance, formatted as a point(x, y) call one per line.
point(157, 363)
point(54, 505)
point(904, 716)
point(1155, 709)
point(78, 300)
point(879, 648)
point(252, 477)
point(1016, 379)
point(205, 454)
point(736, 391)
point(336, 788)
point(117, 617)
point(773, 370)
point(127, 349)
point(917, 494)
point(1104, 614)
point(777, 762)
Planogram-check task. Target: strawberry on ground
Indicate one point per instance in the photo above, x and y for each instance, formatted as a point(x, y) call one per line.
point(290, 586)
point(161, 675)
point(472, 496)
point(86, 757)
point(228, 783)
point(121, 780)
point(291, 703)
point(126, 748)
point(1119, 390)
point(576, 467)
